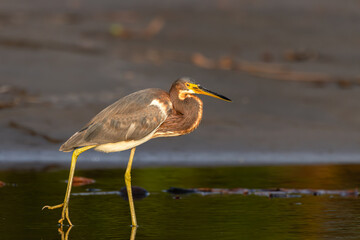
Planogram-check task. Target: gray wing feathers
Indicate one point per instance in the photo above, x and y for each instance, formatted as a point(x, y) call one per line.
point(125, 127)
point(130, 118)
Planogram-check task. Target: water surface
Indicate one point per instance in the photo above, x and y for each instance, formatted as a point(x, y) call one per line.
point(165, 216)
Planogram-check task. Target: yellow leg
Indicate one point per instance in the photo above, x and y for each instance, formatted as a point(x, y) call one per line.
point(128, 188)
point(65, 205)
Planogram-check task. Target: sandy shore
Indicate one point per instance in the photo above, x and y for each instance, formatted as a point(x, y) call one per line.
point(291, 68)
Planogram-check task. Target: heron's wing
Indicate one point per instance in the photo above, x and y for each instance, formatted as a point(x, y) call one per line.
point(131, 118)
point(125, 127)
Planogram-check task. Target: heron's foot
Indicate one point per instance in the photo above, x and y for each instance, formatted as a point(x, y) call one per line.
point(64, 214)
point(52, 207)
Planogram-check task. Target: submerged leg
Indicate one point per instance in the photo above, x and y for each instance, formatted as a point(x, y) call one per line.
point(65, 204)
point(133, 233)
point(128, 188)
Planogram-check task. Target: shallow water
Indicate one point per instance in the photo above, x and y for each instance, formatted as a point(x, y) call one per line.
point(165, 216)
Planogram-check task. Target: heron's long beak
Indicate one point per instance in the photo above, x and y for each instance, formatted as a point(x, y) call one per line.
point(201, 90)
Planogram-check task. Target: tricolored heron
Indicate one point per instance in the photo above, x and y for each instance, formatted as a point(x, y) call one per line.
point(133, 120)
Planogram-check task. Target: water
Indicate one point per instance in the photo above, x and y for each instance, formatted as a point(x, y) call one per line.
point(165, 216)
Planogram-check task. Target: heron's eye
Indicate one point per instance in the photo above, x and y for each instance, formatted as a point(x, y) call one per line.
point(188, 85)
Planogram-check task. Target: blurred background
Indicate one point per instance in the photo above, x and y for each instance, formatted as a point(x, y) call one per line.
point(290, 67)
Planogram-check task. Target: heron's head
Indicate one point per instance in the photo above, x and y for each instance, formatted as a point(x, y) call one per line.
point(186, 86)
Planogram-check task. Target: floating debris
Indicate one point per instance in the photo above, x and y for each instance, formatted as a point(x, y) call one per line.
point(175, 190)
point(91, 193)
point(81, 181)
point(93, 190)
point(271, 193)
point(137, 192)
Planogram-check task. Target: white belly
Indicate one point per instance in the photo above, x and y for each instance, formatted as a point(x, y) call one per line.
point(124, 145)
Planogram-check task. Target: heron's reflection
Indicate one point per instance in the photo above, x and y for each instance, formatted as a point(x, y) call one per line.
point(133, 233)
point(138, 193)
point(65, 234)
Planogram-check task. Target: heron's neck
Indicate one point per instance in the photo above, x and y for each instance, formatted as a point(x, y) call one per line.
point(191, 109)
point(185, 118)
